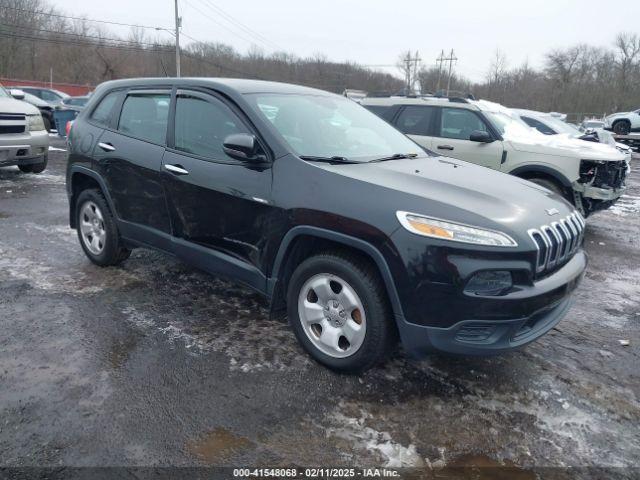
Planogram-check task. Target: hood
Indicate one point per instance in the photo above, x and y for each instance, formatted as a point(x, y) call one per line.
point(460, 191)
point(11, 105)
point(561, 145)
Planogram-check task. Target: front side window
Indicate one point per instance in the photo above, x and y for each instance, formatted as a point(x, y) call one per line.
point(325, 126)
point(459, 123)
point(416, 120)
point(50, 96)
point(102, 112)
point(144, 116)
point(202, 125)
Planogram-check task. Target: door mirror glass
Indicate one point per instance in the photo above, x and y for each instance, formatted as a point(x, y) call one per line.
point(242, 146)
point(480, 136)
point(17, 94)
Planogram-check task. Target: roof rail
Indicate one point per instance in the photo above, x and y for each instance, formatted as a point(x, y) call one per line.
point(453, 96)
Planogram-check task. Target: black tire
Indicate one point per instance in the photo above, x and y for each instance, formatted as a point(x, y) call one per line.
point(553, 186)
point(26, 168)
point(113, 252)
point(47, 123)
point(40, 167)
point(622, 127)
point(380, 334)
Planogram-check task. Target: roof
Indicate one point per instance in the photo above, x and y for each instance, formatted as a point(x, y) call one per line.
point(239, 85)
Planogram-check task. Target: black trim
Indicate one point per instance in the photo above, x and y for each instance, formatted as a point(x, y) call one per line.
point(361, 245)
point(528, 169)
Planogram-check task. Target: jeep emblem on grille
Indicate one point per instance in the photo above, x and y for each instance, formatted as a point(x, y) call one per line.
point(552, 211)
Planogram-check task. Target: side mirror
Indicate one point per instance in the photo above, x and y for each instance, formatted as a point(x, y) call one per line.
point(17, 94)
point(481, 136)
point(242, 146)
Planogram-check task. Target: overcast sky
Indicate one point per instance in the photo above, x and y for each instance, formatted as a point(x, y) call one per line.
point(375, 32)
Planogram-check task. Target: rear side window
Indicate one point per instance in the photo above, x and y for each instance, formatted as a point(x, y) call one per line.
point(541, 127)
point(102, 112)
point(416, 120)
point(144, 116)
point(458, 123)
point(202, 125)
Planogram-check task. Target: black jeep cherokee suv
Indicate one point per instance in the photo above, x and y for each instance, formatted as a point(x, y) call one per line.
point(328, 211)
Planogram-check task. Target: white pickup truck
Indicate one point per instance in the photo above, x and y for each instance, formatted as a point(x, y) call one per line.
point(24, 141)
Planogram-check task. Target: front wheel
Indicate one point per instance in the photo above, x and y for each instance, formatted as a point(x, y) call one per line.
point(40, 167)
point(553, 186)
point(622, 128)
point(338, 309)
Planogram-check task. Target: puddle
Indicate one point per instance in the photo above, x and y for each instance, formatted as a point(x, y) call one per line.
point(121, 350)
point(218, 446)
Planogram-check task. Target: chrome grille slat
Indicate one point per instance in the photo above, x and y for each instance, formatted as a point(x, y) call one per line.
point(557, 241)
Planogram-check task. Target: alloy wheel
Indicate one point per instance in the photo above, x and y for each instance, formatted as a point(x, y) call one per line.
point(92, 228)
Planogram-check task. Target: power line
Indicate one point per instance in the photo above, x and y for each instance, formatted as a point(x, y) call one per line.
point(82, 35)
point(78, 42)
point(241, 25)
point(84, 19)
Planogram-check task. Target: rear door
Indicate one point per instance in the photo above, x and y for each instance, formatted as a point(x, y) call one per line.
point(219, 206)
point(129, 157)
point(455, 126)
point(418, 123)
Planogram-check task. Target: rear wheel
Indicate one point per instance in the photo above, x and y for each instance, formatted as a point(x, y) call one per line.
point(97, 230)
point(338, 309)
point(25, 168)
point(622, 127)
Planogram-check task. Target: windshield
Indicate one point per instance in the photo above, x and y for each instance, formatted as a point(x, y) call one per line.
point(508, 125)
point(3, 92)
point(321, 126)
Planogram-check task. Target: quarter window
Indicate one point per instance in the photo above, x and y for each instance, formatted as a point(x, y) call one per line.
point(416, 120)
point(202, 125)
point(144, 116)
point(458, 123)
point(102, 112)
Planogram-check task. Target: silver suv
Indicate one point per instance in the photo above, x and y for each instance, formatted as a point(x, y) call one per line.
point(24, 141)
point(589, 175)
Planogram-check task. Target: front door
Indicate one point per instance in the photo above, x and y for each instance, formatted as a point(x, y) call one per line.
point(219, 206)
point(455, 128)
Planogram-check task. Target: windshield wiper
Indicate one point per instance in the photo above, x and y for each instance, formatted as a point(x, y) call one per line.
point(395, 156)
point(334, 159)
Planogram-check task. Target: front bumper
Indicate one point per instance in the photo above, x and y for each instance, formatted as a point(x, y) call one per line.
point(597, 193)
point(24, 148)
point(525, 315)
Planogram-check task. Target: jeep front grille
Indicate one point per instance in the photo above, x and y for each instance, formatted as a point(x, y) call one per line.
point(12, 123)
point(557, 242)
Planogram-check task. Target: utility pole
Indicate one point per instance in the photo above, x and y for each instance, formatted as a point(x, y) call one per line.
point(452, 58)
point(411, 70)
point(439, 61)
point(178, 22)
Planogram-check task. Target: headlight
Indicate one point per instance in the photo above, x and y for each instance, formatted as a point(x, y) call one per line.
point(456, 232)
point(36, 123)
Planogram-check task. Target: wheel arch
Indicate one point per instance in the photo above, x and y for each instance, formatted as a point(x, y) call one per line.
point(302, 241)
point(82, 178)
point(541, 171)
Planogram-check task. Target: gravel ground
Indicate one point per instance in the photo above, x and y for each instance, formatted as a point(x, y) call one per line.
point(155, 363)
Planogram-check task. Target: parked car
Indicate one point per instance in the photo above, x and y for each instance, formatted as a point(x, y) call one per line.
point(591, 124)
point(46, 110)
point(589, 175)
point(75, 103)
point(24, 141)
point(325, 209)
point(51, 96)
point(623, 123)
point(549, 124)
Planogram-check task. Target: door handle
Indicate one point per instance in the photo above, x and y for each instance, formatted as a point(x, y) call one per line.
point(445, 147)
point(176, 169)
point(107, 147)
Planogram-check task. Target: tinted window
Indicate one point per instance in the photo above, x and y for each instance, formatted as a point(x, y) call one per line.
point(102, 112)
point(416, 120)
point(458, 123)
point(202, 125)
point(145, 116)
point(541, 127)
point(380, 110)
point(49, 96)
